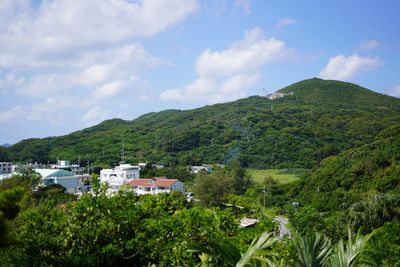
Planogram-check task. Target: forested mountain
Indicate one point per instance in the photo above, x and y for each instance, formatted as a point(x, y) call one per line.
point(314, 119)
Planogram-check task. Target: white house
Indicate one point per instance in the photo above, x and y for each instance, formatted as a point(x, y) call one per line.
point(119, 175)
point(155, 186)
point(73, 183)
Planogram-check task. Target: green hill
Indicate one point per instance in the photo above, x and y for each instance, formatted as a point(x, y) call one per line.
point(315, 119)
point(341, 180)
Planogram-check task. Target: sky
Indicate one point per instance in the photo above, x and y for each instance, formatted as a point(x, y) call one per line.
point(70, 64)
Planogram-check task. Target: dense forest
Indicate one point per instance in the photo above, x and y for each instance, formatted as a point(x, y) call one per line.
point(315, 119)
point(344, 213)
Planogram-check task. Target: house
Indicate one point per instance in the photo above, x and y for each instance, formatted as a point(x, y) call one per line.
point(119, 176)
point(73, 183)
point(155, 186)
point(123, 171)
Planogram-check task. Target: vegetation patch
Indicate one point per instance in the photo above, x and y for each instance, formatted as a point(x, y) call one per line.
point(282, 176)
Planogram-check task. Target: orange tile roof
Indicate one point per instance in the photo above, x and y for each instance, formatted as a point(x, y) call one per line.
point(155, 182)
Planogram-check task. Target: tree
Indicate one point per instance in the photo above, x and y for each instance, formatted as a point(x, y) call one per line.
point(241, 179)
point(384, 248)
point(9, 209)
point(373, 212)
point(212, 188)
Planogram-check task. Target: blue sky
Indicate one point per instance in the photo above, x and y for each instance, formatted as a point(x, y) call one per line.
point(66, 65)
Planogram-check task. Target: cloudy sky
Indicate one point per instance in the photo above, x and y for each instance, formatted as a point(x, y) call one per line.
point(69, 64)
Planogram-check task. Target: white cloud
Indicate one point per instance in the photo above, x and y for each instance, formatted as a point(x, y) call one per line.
point(226, 75)
point(345, 68)
point(95, 74)
point(30, 37)
point(97, 69)
point(245, 56)
point(44, 85)
point(395, 91)
point(95, 114)
point(61, 49)
point(285, 22)
point(367, 45)
point(50, 109)
point(9, 81)
point(108, 89)
point(210, 90)
point(11, 114)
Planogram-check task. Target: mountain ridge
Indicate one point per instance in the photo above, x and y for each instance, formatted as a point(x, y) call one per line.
point(319, 119)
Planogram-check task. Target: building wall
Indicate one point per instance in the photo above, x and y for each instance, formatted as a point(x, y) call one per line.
point(178, 186)
point(105, 174)
point(71, 184)
point(141, 190)
point(5, 167)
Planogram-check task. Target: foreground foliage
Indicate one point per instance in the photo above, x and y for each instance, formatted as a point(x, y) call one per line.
point(359, 188)
point(51, 228)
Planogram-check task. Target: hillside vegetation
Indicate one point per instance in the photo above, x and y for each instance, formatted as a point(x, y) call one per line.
point(317, 119)
point(361, 188)
point(282, 176)
point(341, 180)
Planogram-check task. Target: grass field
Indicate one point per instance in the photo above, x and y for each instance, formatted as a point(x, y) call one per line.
point(282, 176)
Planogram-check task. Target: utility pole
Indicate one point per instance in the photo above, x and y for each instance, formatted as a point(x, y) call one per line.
point(264, 191)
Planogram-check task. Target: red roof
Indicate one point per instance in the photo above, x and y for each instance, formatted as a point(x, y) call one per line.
point(154, 182)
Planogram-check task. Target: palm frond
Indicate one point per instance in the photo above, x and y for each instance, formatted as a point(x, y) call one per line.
point(229, 254)
point(348, 254)
point(265, 240)
point(219, 249)
point(313, 251)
